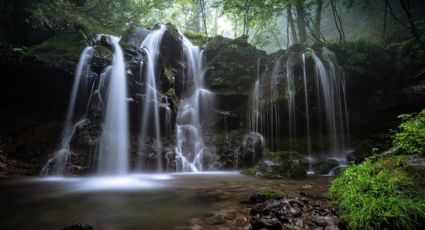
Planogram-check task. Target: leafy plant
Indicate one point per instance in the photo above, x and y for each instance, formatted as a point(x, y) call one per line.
point(411, 137)
point(377, 195)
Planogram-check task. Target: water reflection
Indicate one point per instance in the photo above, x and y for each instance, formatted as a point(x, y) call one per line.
point(137, 201)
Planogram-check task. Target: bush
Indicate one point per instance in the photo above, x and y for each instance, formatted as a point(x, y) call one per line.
point(411, 137)
point(378, 195)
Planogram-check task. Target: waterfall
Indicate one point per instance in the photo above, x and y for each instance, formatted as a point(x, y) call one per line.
point(150, 115)
point(190, 146)
point(307, 117)
point(254, 115)
point(113, 152)
point(330, 108)
point(79, 87)
point(290, 93)
point(330, 88)
point(273, 108)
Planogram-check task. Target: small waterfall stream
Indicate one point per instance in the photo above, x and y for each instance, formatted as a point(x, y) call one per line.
point(190, 147)
point(79, 88)
point(307, 117)
point(330, 87)
point(290, 93)
point(151, 46)
point(113, 152)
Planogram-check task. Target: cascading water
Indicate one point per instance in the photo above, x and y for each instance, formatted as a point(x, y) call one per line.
point(113, 152)
point(190, 148)
point(307, 117)
point(79, 88)
point(151, 46)
point(331, 107)
point(255, 113)
point(273, 107)
point(290, 90)
point(330, 88)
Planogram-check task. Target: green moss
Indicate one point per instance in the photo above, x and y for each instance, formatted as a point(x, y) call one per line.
point(287, 164)
point(326, 166)
point(196, 38)
point(171, 93)
point(378, 195)
point(249, 171)
point(63, 47)
point(269, 194)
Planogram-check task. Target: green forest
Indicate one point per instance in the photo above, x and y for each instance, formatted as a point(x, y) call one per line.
point(212, 114)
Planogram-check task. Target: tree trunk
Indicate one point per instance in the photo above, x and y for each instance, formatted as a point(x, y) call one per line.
point(302, 33)
point(204, 16)
point(196, 18)
point(337, 20)
point(318, 17)
point(406, 7)
point(291, 24)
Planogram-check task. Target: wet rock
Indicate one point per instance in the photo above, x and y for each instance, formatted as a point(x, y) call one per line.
point(215, 219)
point(295, 213)
point(283, 164)
point(299, 223)
point(264, 195)
point(78, 227)
point(241, 221)
point(253, 147)
point(265, 222)
point(134, 37)
point(326, 166)
point(323, 221)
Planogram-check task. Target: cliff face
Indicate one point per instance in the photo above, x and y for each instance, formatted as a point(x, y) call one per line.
point(38, 71)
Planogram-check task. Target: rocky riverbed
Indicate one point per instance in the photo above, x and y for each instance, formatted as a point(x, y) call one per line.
point(303, 206)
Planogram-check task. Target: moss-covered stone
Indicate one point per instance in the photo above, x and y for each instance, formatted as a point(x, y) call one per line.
point(266, 194)
point(232, 65)
point(326, 166)
point(249, 171)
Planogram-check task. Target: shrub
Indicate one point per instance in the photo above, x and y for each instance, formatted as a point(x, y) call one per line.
point(411, 137)
point(377, 195)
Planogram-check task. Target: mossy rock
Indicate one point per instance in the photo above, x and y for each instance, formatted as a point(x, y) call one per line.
point(249, 171)
point(196, 38)
point(265, 195)
point(133, 37)
point(231, 65)
point(63, 47)
point(326, 166)
point(286, 164)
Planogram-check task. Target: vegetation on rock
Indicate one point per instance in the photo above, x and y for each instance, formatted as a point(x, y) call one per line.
point(411, 137)
point(387, 190)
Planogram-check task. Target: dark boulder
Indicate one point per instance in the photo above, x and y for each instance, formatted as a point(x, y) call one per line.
point(252, 149)
point(78, 227)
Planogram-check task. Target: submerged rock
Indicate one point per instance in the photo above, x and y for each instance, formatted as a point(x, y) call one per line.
point(78, 227)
